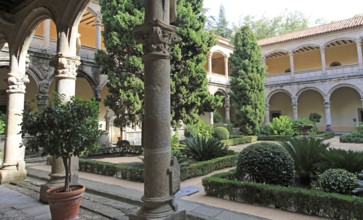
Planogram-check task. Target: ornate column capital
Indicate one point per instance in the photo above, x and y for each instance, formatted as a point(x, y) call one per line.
point(156, 37)
point(65, 66)
point(17, 83)
point(98, 19)
point(358, 42)
point(322, 49)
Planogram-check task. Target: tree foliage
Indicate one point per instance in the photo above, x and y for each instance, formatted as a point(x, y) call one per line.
point(285, 23)
point(220, 26)
point(123, 65)
point(247, 82)
point(189, 86)
point(122, 61)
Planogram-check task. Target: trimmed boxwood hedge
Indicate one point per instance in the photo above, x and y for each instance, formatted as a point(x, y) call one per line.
point(136, 173)
point(239, 140)
point(305, 201)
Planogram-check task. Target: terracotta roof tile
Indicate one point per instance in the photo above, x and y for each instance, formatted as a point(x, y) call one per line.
point(321, 29)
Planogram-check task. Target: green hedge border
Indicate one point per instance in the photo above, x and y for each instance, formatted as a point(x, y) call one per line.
point(325, 136)
point(136, 173)
point(239, 140)
point(310, 202)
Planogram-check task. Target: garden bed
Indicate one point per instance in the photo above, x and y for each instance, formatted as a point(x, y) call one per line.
point(239, 140)
point(305, 201)
point(135, 173)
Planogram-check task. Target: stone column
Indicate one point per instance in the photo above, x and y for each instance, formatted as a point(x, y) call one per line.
point(13, 167)
point(295, 110)
point(46, 33)
point(323, 61)
point(226, 71)
point(227, 107)
point(292, 66)
point(209, 63)
point(359, 53)
point(211, 118)
point(161, 172)
point(267, 114)
point(98, 23)
point(327, 115)
point(65, 75)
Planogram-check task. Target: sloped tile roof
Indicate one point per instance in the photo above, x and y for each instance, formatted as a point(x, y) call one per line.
point(321, 29)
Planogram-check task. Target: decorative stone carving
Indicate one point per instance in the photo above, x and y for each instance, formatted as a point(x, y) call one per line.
point(97, 91)
point(17, 83)
point(98, 19)
point(44, 86)
point(65, 66)
point(156, 36)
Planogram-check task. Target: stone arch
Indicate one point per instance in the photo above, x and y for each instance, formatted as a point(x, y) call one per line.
point(338, 39)
point(27, 29)
point(35, 73)
point(305, 46)
point(218, 51)
point(225, 94)
point(89, 78)
point(360, 92)
point(268, 97)
point(309, 88)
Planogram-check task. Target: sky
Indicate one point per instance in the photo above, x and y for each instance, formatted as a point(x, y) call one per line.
point(329, 10)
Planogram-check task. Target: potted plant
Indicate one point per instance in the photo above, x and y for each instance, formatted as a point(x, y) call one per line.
point(63, 129)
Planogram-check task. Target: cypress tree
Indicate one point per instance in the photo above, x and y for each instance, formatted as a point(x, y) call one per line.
point(247, 82)
point(123, 62)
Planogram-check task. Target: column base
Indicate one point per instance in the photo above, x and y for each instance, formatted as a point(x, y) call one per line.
point(8, 174)
point(180, 215)
point(328, 128)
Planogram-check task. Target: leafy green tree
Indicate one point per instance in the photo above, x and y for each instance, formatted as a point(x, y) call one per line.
point(123, 64)
point(247, 82)
point(285, 23)
point(122, 61)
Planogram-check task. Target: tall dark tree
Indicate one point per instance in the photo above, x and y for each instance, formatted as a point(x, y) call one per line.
point(221, 27)
point(122, 62)
point(247, 82)
point(189, 88)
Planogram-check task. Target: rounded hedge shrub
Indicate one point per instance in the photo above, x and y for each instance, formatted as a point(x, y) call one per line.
point(265, 163)
point(337, 181)
point(221, 133)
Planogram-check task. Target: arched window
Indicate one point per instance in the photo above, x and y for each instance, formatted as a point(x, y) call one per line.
point(335, 63)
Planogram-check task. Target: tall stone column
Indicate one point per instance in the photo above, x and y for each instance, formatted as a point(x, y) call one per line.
point(359, 53)
point(267, 114)
point(295, 110)
point(226, 70)
point(323, 61)
point(327, 115)
point(65, 75)
point(161, 172)
point(292, 66)
point(98, 23)
point(211, 118)
point(46, 34)
point(227, 108)
point(13, 167)
point(209, 63)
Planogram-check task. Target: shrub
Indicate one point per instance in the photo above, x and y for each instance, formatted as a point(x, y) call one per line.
point(293, 199)
point(235, 141)
point(283, 125)
point(303, 126)
point(177, 149)
point(217, 117)
point(354, 137)
point(337, 181)
point(306, 153)
point(202, 148)
point(351, 161)
point(314, 117)
point(265, 163)
point(201, 128)
point(221, 133)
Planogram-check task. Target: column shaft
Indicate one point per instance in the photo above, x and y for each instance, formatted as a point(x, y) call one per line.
point(46, 33)
point(328, 116)
point(209, 63)
point(295, 110)
point(226, 69)
point(359, 53)
point(323, 61)
point(267, 114)
point(292, 66)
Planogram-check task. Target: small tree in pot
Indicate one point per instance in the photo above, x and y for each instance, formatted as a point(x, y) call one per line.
point(63, 129)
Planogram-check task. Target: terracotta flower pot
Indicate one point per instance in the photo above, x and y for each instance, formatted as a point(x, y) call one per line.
point(65, 205)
